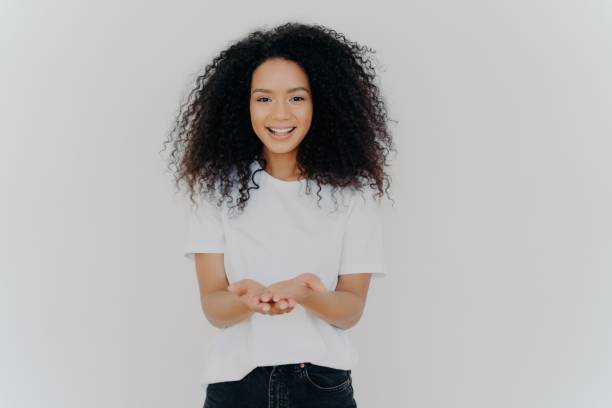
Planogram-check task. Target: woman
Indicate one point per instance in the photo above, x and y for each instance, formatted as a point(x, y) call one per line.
point(285, 276)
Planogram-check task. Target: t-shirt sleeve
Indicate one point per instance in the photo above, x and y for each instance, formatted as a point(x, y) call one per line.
point(204, 230)
point(362, 247)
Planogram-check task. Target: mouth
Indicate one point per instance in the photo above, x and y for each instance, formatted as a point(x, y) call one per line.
point(280, 133)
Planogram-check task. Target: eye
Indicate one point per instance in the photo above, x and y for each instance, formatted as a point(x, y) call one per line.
point(293, 98)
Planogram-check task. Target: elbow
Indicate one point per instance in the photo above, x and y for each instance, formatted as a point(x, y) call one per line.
point(345, 325)
point(348, 324)
point(213, 322)
point(352, 322)
point(216, 323)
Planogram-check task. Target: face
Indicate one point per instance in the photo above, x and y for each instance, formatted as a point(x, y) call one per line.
point(280, 101)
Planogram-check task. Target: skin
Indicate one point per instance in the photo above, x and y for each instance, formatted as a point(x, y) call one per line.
point(249, 291)
point(342, 307)
point(275, 102)
point(281, 97)
point(266, 300)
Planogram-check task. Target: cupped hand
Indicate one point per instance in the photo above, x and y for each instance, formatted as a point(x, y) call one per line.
point(250, 291)
point(295, 289)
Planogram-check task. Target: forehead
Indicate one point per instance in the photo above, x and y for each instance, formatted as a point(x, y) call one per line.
point(279, 75)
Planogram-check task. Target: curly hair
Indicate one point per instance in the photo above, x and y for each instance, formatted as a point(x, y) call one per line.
point(346, 146)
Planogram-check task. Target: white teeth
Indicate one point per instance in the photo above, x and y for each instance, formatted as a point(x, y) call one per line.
point(281, 130)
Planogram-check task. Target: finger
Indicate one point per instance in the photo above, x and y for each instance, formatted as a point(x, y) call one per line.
point(259, 305)
point(255, 304)
point(280, 296)
point(274, 309)
point(288, 302)
point(282, 304)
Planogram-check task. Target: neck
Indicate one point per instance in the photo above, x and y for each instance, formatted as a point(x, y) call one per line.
point(282, 165)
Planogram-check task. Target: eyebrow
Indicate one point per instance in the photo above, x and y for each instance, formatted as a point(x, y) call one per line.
point(299, 88)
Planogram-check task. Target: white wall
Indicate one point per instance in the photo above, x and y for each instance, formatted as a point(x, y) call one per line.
point(499, 243)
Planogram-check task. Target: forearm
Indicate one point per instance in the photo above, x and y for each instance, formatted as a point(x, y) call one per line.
point(222, 308)
point(338, 308)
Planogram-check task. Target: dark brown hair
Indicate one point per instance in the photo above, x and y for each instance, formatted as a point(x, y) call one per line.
point(348, 141)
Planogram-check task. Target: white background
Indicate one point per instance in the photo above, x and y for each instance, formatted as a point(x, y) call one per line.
point(499, 244)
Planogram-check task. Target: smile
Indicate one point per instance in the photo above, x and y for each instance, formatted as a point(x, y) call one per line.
point(280, 132)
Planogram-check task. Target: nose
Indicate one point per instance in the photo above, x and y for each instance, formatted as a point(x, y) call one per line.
point(280, 111)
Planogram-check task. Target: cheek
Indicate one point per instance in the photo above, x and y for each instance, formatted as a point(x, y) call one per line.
point(257, 116)
point(303, 113)
point(306, 116)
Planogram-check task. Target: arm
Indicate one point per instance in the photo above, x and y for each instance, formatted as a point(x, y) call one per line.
point(221, 307)
point(344, 306)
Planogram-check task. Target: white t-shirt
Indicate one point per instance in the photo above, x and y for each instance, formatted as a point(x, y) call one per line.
point(282, 233)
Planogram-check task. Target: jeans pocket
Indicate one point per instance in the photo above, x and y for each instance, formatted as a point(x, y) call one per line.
point(326, 378)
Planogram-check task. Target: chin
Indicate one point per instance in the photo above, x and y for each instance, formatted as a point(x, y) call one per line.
point(275, 148)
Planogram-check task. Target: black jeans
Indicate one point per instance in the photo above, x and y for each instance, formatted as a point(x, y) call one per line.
point(304, 385)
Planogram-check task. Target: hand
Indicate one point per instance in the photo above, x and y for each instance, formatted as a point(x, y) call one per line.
point(249, 291)
point(295, 289)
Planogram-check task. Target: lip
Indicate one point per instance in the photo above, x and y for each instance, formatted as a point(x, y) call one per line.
point(281, 137)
